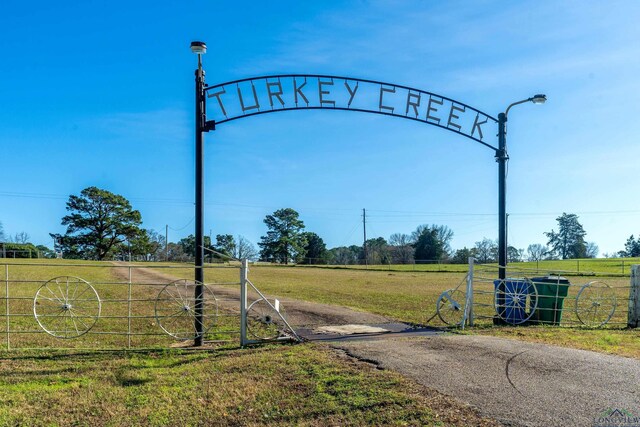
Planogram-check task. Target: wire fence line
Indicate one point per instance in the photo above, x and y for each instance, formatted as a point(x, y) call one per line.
point(533, 296)
point(114, 306)
point(119, 305)
point(572, 267)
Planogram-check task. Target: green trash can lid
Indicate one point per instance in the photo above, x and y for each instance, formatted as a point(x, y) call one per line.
point(551, 279)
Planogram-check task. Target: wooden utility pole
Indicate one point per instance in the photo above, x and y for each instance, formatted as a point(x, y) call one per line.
point(364, 242)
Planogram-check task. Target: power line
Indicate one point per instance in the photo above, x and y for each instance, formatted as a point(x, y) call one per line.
point(185, 226)
point(377, 213)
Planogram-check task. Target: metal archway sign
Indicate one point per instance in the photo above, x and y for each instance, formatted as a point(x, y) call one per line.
point(268, 94)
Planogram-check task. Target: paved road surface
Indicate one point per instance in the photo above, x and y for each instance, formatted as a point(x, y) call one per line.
point(517, 383)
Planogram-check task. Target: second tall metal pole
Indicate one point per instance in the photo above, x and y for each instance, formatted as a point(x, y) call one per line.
point(501, 158)
point(199, 232)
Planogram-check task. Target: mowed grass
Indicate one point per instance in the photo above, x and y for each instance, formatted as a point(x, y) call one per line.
point(307, 385)
point(272, 385)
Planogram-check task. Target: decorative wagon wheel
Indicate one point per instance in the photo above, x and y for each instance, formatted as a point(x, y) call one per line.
point(595, 304)
point(450, 306)
point(66, 307)
point(516, 300)
point(175, 309)
point(264, 322)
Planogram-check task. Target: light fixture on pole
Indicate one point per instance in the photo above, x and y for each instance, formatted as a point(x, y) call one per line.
point(501, 158)
point(199, 48)
point(539, 99)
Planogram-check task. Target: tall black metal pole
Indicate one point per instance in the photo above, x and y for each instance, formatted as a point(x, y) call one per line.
point(199, 249)
point(501, 158)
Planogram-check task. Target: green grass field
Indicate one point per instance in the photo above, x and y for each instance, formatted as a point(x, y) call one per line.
point(306, 385)
point(223, 385)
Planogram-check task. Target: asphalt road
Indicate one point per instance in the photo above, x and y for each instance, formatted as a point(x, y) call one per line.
point(514, 382)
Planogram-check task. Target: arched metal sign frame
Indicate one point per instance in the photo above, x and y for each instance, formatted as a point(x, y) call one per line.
point(286, 92)
point(248, 97)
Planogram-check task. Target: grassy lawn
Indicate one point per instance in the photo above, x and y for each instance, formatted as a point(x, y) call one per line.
point(407, 296)
point(274, 385)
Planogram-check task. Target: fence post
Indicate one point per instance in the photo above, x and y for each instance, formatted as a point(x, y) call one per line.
point(129, 312)
point(468, 306)
point(244, 270)
point(634, 298)
point(6, 277)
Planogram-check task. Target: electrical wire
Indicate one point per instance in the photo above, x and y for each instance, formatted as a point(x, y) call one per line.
point(185, 226)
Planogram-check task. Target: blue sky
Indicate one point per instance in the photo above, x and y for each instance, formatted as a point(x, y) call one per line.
point(101, 93)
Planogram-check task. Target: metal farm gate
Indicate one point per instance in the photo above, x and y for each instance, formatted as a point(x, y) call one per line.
point(133, 306)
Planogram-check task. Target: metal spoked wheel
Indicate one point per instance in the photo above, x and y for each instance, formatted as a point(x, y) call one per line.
point(595, 304)
point(66, 307)
point(175, 309)
point(450, 306)
point(265, 323)
point(516, 300)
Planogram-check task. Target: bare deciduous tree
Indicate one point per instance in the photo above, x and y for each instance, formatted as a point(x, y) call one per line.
point(245, 249)
point(536, 252)
point(21, 237)
point(401, 248)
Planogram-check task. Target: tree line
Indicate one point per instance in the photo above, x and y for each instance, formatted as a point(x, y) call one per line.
point(103, 225)
point(286, 242)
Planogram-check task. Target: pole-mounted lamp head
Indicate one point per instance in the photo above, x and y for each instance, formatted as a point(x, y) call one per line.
point(536, 99)
point(200, 48)
point(539, 99)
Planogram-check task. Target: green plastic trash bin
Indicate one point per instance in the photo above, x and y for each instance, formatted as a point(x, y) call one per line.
point(552, 291)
